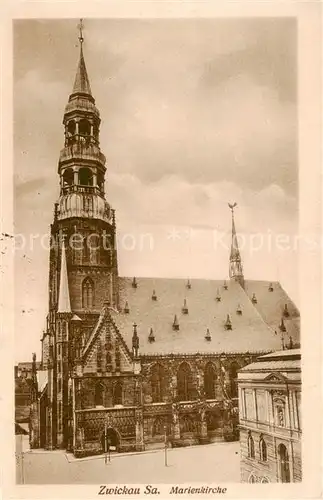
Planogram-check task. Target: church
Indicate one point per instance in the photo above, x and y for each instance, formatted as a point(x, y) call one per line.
point(129, 362)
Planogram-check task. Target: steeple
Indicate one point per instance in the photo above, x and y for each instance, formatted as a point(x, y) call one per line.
point(235, 266)
point(64, 305)
point(81, 83)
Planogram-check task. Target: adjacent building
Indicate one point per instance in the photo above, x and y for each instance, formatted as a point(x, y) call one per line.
point(131, 360)
point(270, 418)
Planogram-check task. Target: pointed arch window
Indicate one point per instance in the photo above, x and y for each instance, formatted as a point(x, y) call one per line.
point(209, 381)
point(87, 293)
point(157, 383)
point(185, 387)
point(118, 359)
point(262, 449)
point(108, 362)
point(233, 372)
point(117, 393)
point(98, 394)
point(251, 446)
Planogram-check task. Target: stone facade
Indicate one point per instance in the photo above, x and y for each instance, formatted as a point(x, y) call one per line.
point(270, 418)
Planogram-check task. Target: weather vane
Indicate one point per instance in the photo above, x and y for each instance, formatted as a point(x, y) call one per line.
point(232, 206)
point(80, 28)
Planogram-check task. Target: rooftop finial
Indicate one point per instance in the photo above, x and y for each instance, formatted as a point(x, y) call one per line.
point(235, 267)
point(80, 28)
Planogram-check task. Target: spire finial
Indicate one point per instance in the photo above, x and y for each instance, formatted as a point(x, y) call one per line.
point(80, 28)
point(235, 267)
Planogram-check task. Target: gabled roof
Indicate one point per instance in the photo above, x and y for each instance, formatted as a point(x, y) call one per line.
point(249, 331)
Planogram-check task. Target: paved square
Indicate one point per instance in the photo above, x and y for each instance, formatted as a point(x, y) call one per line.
point(213, 463)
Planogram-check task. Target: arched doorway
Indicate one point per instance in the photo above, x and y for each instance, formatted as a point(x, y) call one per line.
point(283, 459)
point(112, 440)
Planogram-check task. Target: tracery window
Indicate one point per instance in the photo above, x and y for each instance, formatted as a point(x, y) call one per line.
point(108, 359)
point(209, 381)
point(118, 359)
point(98, 396)
point(185, 387)
point(117, 393)
point(157, 383)
point(233, 371)
point(87, 293)
point(251, 446)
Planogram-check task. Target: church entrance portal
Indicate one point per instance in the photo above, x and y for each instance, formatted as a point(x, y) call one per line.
point(111, 439)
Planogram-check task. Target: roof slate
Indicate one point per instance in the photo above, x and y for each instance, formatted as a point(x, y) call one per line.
point(271, 305)
point(249, 331)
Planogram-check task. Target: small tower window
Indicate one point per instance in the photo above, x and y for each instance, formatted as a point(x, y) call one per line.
point(71, 127)
point(100, 181)
point(87, 294)
point(84, 127)
point(85, 177)
point(68, 177)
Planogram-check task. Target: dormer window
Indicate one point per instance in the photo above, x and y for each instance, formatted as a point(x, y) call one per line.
point(282, 326)
point(126, 309)
point(218, 296)
point(225, 286)
point(286, 311)
point(134, 283)
point(208, 335)
point(185, 308)
point(228, 324)
point(254, 299)
point(270, 288)
point(188, 285)
point(239, 310)
point(154, 296)
point(151, 336)
point(175, 323)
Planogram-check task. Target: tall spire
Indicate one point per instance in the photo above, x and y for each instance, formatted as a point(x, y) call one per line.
point(81, 83)
point(64, 304)
point(235, 266)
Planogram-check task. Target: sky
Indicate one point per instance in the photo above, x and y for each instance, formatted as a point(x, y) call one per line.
point(195, 114)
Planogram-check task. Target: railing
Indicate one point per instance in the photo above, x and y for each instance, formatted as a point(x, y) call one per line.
point(77, 188)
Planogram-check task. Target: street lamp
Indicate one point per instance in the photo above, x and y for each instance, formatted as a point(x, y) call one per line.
point(165, 443)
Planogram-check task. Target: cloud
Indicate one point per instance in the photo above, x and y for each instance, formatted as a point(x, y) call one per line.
point(195, 113)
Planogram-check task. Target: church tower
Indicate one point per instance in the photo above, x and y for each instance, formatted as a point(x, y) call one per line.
point(83, 268)
point(235, 266)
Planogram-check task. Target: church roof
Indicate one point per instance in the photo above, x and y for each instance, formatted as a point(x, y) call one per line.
point(250, 332)
point(271, 306)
